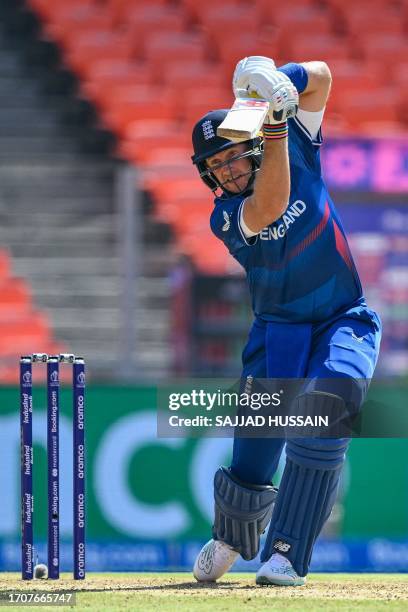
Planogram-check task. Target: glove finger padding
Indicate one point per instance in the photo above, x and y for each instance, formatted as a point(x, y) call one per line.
point(259, 80)
point(249, 65)
point(283, 105)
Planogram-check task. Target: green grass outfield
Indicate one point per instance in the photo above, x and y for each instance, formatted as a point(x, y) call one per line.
point(180, 592)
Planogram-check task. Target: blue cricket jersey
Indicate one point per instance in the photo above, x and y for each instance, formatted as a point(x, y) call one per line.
point(299, 268)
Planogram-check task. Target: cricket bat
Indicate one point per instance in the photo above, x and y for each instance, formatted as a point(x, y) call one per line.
point(245, 119)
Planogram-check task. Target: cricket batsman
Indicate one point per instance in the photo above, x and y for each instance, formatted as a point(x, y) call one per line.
point(275, 216)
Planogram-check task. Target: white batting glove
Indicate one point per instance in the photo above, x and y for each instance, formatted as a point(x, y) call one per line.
point(247, 65)
point(257, 77)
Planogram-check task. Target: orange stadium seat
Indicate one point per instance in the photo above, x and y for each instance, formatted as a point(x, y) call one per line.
point(4, 264)
point(105, 75)
point(191, 73)
point(171, 211)
point(380, 105)
point(141, 136)
point(163, 48)
point(33, 323)
point(196, 10)
point(361, 20)
point(141, 21)
point(198, 101)
point(219, 19)
point(214, 259)
point(69, 21)
point(89, 46)
point(319, 47)
point(265, 42)
point(386, 48)
point(15, 291)
point(119, 7)
point(170, 189)
point(48, 10)
point(293, 20)
point(124, 104)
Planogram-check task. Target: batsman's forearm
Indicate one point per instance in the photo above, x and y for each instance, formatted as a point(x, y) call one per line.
point(272, 186)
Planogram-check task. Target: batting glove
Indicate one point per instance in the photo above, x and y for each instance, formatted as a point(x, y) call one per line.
point(257, 76)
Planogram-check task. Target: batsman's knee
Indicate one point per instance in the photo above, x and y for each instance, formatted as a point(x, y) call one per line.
point(242, 512)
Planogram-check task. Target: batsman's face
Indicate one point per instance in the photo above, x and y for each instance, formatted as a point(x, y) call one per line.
point(231, 172)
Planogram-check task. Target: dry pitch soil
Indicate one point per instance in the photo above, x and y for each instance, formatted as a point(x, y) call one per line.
point(179, 592)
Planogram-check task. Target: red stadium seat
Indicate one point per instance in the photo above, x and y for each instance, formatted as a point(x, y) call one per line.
point(264, 42)
point(143, 20)
point(118, 8)
point(90, 46)
point(171, 211)
point(360, 21)
point(188, 74)
point(123, 105)
point(196, 10)
point(199, 101)
point(163, 48)
point(104, 76)
point(69, 22)
point(380, 105)
point(4, 264)
point(219, 19)
point(140, 138)
point(170, 189)
point(386, 48)
point(49, 11)
point(295, 20)
point(328, 48)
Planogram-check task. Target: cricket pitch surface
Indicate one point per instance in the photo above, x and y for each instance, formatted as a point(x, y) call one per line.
point(179, 592)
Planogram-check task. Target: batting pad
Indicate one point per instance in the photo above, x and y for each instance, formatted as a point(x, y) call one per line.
point(242, 512)
point(305, 500)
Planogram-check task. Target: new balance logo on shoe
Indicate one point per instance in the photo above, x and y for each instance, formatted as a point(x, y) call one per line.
point(281, 546)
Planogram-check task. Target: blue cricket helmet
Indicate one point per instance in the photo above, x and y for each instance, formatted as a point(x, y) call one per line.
point(206, 143)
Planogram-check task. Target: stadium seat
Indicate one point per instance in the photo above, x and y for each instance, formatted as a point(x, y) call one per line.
point(104, 76)
point(122, 105)
point(219, 19)
point(263, 42)
point(141, 137)
point(89, 46)
point(169, 189)
point(386, 48)
point(118, 8)
point(170, 212)
point(4, 264)
point(360, 21)
point(69, 22)
point(380, 105)
point(293, 20)
point(164, 48)
point(143, 20)
point(52, 11)
point(319, 47)
point(201, 100)
point(196, 10)
point(188, 74)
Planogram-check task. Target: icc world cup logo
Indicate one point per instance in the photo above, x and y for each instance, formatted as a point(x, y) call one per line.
point(54, 377)
point(27, 377)
point(81, 378)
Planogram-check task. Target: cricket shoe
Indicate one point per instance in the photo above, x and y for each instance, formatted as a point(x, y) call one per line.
point(279, 571)
point(213, 560)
